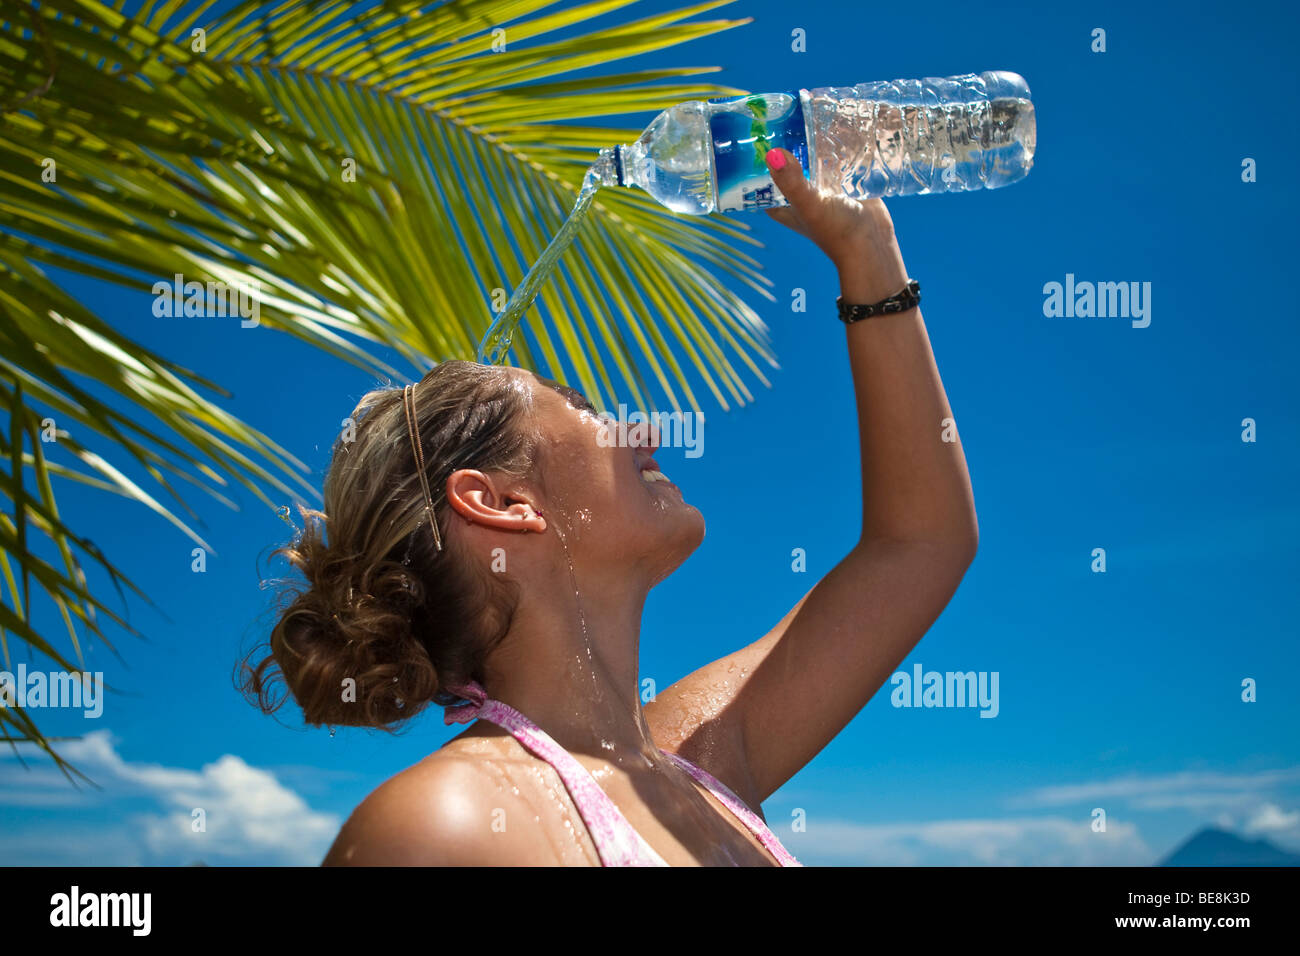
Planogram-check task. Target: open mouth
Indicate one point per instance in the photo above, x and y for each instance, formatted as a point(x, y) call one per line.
point(651, 474)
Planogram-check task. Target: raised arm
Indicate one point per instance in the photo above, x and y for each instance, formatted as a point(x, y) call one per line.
point(822, 663)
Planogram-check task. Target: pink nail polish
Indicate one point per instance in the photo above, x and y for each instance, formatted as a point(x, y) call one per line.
point(776, 159)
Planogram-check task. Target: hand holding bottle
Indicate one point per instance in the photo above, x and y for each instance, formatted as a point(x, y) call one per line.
point(856, 235)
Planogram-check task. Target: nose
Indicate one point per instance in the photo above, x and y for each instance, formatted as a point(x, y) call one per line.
point(643, 434)
point(652, 437)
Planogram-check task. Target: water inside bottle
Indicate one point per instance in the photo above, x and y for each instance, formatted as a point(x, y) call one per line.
point(865, 147)
point(496, 341)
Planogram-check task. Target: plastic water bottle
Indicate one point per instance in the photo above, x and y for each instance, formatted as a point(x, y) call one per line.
point(895, 138)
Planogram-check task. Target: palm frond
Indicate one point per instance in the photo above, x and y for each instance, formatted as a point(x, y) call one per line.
point(223, 160)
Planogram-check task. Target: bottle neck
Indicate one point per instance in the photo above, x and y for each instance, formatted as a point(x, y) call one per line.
point(619, 165)
point(607, 169)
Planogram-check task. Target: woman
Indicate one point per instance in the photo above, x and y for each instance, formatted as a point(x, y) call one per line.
point(522, 601)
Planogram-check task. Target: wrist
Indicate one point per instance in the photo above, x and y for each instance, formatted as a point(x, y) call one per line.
point(865, 283)
point(869, 274)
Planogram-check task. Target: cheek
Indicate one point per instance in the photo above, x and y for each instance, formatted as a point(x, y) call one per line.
point(605, 457)
point(583, 475)
point(604, 435)
point(616, 494)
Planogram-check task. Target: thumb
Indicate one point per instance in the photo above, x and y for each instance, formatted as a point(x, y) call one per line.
point(788, 176)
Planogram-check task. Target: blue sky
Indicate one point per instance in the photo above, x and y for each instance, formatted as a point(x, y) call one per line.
point(1119, 690)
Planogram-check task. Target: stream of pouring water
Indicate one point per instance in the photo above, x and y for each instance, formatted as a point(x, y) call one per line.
point(496, 342)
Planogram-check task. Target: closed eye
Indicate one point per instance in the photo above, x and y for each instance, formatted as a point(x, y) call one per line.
point(577, 399)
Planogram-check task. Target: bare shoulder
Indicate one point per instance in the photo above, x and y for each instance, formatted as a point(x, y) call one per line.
point(439, 812)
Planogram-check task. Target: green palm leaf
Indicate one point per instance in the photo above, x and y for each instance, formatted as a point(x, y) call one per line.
point(212, 144)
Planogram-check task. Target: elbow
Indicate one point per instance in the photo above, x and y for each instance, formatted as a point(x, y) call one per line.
point(945, 552)
point(958, 544)
point(954, 553)
point(968, 539)
point(951, 540)
point(964, 541)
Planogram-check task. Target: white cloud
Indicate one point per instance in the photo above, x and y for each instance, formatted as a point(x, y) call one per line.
point(1190, 789)
point(1271, 820)
point(1241, 802)
point(249, 815)
point(1041, 841)
point(1206, 802)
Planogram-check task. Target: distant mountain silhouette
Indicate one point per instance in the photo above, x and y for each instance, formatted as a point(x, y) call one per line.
point(1215, 847)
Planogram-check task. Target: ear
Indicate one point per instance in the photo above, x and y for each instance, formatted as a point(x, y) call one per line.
point(489, 503)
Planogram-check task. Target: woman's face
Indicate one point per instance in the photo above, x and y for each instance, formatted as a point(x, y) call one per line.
point(599, 475)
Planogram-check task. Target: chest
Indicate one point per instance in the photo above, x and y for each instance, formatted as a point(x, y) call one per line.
point(677, 816)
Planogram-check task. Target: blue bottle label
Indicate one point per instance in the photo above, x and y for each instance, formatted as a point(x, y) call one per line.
point(744, 129)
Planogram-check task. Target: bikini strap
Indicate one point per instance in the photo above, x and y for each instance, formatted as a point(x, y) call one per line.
point(616, 840)
point(473, 697)
point(727, 797)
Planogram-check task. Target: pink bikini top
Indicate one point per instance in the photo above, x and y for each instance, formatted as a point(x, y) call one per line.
point(617, 841)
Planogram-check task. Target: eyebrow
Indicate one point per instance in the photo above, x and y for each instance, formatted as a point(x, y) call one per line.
point(569, 392)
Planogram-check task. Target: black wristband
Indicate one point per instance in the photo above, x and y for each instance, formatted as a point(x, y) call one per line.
point(909, 298)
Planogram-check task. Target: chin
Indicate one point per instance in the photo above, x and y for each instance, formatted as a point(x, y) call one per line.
point(697, 527)
point(686, 535)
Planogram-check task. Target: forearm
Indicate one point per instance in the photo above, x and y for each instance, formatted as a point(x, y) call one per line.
point(915, 485)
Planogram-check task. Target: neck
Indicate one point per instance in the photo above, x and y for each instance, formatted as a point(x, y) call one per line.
point(570, 662)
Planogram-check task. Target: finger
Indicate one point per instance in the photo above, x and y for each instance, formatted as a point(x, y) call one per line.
point(784, 215)
point(788, 176)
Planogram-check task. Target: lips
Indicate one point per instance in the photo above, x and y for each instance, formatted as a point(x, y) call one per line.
point(651, 475)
